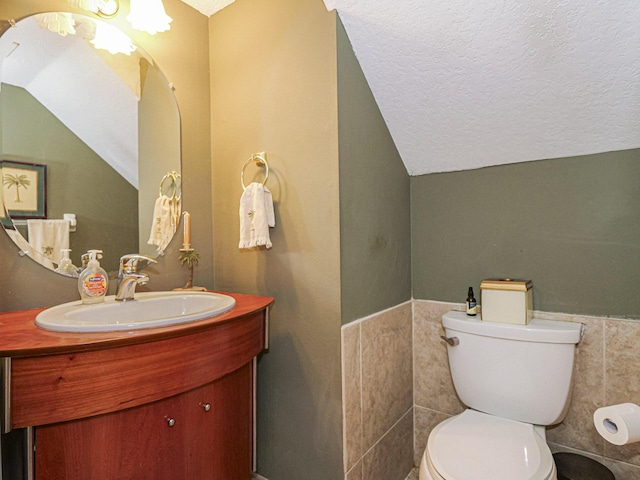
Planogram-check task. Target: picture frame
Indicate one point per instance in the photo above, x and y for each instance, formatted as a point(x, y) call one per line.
point(24, 189)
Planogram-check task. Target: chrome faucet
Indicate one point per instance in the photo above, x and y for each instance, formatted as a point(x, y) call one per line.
point(129, 275)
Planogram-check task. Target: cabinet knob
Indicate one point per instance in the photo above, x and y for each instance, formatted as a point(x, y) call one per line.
point(171, 422)
point(206, 406)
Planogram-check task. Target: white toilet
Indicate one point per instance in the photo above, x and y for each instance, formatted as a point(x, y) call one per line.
point(515, 379)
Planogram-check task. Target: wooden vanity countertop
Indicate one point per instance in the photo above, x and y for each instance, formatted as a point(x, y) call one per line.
point(20, 337)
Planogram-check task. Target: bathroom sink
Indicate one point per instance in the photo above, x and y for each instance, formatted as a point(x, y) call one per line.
point(148, 310)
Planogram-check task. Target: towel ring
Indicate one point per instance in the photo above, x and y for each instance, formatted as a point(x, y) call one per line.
point(261, 161)
point(173, 176)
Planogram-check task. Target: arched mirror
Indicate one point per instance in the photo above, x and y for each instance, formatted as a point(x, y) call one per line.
point(88, 132)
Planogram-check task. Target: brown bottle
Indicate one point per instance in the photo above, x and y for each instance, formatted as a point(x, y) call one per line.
point(472, 306)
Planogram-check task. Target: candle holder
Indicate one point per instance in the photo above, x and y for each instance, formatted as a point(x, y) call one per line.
point(190, 257)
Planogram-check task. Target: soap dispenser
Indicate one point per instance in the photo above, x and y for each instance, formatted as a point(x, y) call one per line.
point(65, 267)
point(93, 281)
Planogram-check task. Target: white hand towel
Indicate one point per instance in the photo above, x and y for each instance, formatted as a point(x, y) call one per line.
point(256, 216)
point(163, 225)
point(49, 237)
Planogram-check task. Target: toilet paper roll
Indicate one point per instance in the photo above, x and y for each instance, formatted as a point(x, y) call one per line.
point(618, 424)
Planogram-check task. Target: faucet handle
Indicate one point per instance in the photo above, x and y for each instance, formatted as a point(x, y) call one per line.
point(134, 262)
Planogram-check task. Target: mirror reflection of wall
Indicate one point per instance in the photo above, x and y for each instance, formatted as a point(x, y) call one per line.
point(88, 149)
point(78, 180)
point(158, 149)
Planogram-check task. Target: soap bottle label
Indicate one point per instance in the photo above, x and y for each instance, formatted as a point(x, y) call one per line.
point(95, 285)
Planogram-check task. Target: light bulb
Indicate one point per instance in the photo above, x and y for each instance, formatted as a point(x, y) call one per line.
point(149, 16)
point(111, 39)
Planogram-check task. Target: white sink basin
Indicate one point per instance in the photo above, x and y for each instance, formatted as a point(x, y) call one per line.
point(148, 310)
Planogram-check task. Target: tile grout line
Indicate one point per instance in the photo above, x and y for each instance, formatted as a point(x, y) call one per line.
point(360, 382)
point(413, 376)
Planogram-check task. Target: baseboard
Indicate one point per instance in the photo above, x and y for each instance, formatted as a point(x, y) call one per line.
point(255, 476)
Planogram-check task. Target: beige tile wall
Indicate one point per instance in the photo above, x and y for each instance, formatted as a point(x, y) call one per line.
point(395, 360)
point(377, 373)
point(435, 397)
point(607, 372)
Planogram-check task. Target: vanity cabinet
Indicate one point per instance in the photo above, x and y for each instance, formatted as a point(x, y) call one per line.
point(197, 435)
point(171, 403)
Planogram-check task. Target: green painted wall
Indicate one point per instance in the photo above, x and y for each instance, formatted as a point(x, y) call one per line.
point(375, 239)
point(342, 237)
point(570, 225)
point(273, 89)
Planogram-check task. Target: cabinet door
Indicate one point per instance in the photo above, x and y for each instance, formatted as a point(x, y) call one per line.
point(138, 443)
point(221, 442)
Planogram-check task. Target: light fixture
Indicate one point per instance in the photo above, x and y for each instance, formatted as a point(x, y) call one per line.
point(61, 23)
point(149, 16)
point(111, 39)
point(104, 8)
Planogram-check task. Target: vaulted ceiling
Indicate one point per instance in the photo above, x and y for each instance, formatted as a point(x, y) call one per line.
point(463, 85)
point(469, 84)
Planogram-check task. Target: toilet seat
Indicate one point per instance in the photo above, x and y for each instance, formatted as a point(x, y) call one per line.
point(476, 445)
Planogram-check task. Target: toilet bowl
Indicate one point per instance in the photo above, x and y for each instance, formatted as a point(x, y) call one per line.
point(474, 445)
point(515, 380)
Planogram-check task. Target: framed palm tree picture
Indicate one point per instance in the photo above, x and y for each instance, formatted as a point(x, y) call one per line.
point(24, 189)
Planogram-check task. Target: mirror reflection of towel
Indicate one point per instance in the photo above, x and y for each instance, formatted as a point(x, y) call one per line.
point(26, 248)
point(48, 237)
point(166, 215)
point(256, 216)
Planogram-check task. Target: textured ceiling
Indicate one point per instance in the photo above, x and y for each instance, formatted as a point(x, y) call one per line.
point(463, 85)
point(208, 7)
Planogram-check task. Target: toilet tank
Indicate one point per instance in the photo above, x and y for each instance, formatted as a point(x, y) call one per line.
point(521, 372)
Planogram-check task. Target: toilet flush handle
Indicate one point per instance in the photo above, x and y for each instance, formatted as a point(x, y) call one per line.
point(452, 341)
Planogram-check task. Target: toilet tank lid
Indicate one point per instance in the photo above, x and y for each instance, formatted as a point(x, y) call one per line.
point(537, 330)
